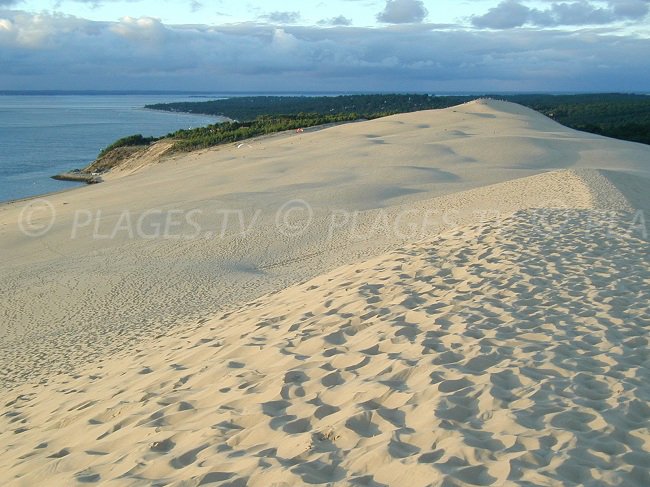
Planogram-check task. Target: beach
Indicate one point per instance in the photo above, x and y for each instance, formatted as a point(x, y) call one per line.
point(445, 297)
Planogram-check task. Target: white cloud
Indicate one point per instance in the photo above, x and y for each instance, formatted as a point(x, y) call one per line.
point(283, 17)
point(284, 41)
point(506, 15)
point(143, 29)
point(6, 25)
point(514, 13)
point(402, 12)
point(339, 20)
point(56, 52)
point(39, 30)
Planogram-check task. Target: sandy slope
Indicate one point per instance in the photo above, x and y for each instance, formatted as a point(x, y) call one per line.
point(79, 292)
point(512, 352)
point(491, 336)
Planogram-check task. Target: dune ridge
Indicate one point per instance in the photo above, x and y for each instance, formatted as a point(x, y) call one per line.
point(100, 328)
point(507, 352)
point(398, 179)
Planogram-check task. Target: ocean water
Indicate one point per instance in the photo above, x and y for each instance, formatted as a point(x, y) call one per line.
point(42, 135)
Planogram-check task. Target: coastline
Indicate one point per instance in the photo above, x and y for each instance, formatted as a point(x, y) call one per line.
point(76, 176)
point(69, 133)
point(40, 196)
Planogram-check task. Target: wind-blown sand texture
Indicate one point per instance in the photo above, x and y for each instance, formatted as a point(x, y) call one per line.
point(507, 347)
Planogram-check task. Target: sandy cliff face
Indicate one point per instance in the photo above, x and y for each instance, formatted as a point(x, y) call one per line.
point(127, 160)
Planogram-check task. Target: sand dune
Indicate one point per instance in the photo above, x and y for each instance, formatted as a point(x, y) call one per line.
point(83, 290)
point(511, 352)
point(480, 317)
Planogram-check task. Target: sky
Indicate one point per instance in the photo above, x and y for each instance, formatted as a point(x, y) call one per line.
point(326, 46)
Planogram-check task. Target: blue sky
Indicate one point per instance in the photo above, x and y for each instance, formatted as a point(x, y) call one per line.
point(309, 12)
point(335, 45)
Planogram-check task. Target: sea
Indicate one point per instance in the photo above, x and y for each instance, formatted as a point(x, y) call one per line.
point(45, 134)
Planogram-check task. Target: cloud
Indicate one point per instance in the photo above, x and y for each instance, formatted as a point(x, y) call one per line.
point(402, 12)
point(58, 52)
point(630, 9)
point(576, 13)
point(9, 3)
point(506, 15)
point(283, 17)
point(39, 31)
point(142, 30)
point(513, 13)
point(340, 20)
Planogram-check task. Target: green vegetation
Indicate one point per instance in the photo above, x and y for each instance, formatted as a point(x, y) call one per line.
point(221, 133)
point(129, 141)
point(186, 140)
point(248, 108)
point(615, 115)
point(623, 116)
point(260, 115)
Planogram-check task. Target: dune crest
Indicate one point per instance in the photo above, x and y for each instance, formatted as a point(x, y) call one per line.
point(250, 265)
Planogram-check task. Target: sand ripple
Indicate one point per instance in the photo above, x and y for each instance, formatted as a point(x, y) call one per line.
point(505, 353)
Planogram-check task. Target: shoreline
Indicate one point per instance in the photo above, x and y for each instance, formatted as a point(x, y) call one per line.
point(75, 177)
point(56, 177)
point(29, 173)
point(159, 110)
point(41, 195)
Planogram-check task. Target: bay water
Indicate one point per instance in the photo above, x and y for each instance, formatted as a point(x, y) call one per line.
point(43, 135)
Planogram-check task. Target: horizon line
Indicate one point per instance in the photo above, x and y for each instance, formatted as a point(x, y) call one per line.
point(309, 92)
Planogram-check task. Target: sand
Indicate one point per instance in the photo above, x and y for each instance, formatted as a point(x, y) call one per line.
point(503, 345)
